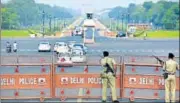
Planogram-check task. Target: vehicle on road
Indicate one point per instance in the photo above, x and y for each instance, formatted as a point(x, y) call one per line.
point(44, 46)
point(121, 34)
point(78, 31)
point(78, 56)
point(64, 59)
point(62, 48)
point(71, 44)
point(56, 45)
point(80, 46)
point(8, 47)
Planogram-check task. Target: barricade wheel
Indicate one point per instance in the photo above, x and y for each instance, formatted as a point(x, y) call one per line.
point(131, 99)
point(62, 98)
point(41, 99)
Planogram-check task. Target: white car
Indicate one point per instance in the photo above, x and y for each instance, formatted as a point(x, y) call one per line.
point(62, 48)
point(56, 46)
point(44, 46)
point(78, 56)
point(64, 59)
point(80, 46)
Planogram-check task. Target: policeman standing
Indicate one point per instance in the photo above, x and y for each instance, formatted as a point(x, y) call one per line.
point(108, 76)
point(170, 67)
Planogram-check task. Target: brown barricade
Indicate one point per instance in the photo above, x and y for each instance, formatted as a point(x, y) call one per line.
point(145, 59)
point(81, 82)
point(14, 59)
point(148, 84)
point(26, 81)
point(135, 79)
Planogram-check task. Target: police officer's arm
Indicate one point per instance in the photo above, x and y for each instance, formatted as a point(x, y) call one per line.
point(163, 65)
point(102, 62)
point(177, 66)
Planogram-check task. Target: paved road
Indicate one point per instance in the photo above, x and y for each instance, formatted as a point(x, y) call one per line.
point(114, 45)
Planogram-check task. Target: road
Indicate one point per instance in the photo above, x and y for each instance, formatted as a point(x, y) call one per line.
point(120, 46)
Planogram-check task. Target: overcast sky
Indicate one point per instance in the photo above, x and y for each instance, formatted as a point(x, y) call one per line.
point(97, 4)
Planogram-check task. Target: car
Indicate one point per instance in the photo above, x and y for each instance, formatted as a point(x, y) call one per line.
point(121, 34)
point(56, 46)
point(80, 46)
point(71, 44)
point(44, 46)
point(78, 31)
point(62, 48)
point(78, 56)
point(64, 59)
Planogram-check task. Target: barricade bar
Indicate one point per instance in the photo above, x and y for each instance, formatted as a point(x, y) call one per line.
point(28, 64)
point(81, 64)
point(143, 64)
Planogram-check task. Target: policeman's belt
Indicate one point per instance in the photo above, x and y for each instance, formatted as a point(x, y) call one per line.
point(171, 73)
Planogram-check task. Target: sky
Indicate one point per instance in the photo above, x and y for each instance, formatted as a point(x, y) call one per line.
point(98, 4)
point(95, 4)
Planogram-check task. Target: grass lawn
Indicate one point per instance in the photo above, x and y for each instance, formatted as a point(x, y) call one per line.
point(162, 34)
point(15, 33)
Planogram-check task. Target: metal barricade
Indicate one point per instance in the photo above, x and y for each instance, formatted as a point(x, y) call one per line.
point(145, 59)
point(26, 81)
point(81, 82)
point(144, 81)
point(14, 59)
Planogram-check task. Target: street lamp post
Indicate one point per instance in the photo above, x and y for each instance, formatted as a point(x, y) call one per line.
point(122, 21)
point(54, 23)
point(127, 20)
point(43, 17)
point(50, 22)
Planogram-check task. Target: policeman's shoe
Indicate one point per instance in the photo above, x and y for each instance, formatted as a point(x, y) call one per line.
point(115, 101)
point(103, 101)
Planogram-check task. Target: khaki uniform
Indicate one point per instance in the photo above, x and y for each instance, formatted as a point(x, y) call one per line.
point(109, 79)
point(170, 82)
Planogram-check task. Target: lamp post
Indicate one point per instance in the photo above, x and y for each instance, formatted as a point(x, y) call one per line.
point(50, 22)
point(54, 23)
point(43, 17)
point(122, 21)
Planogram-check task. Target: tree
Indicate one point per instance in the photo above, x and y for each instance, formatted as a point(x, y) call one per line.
point(148, 5)
point(9, 18)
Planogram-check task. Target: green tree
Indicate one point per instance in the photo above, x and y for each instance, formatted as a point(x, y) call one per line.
point(9, 19)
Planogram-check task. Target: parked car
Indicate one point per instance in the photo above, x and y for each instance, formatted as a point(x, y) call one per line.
point(78, 56)
point(121, 34)
point(44, 46)
point(64, 59)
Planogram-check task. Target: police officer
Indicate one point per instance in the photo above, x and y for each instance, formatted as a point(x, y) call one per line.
point(109, 77)
point(170, 67)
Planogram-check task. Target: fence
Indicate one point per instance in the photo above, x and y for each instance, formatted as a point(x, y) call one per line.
point(135, 79)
